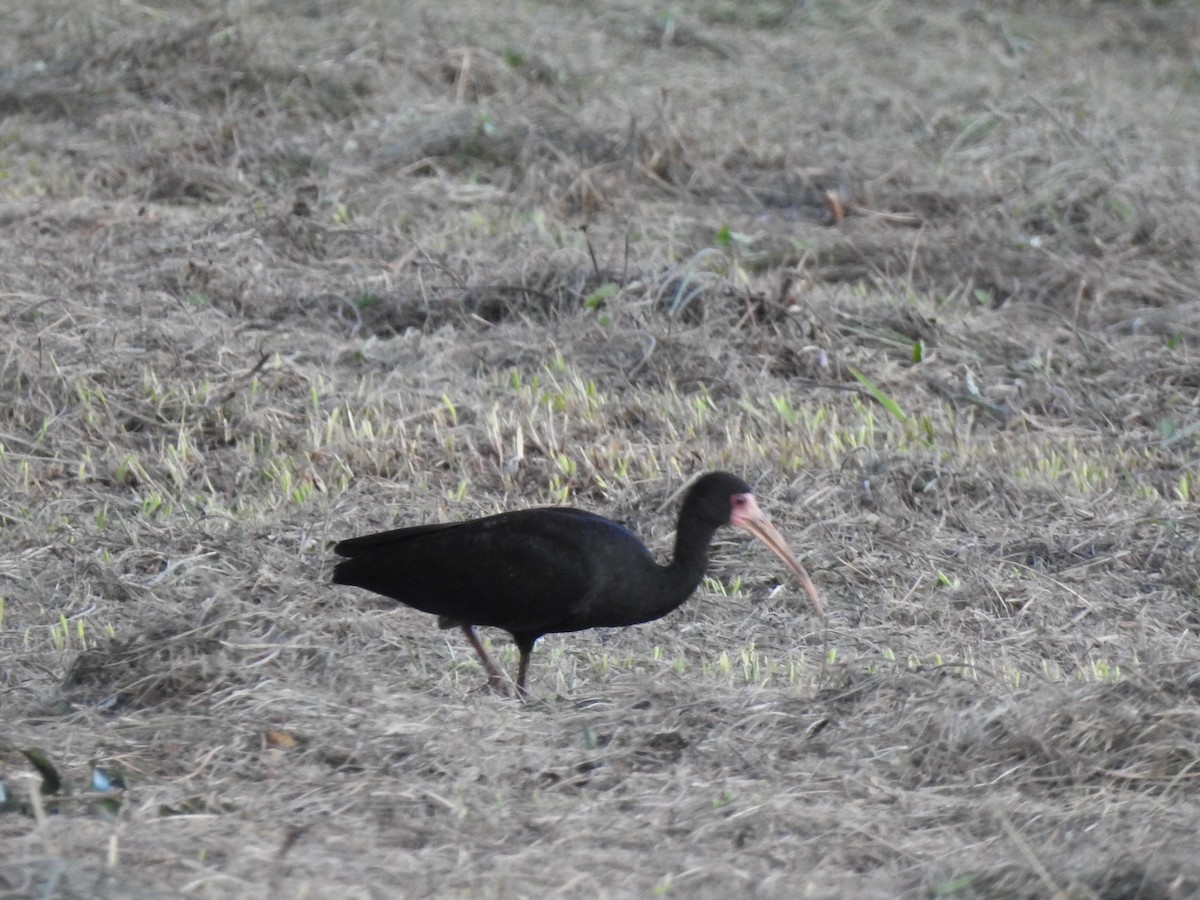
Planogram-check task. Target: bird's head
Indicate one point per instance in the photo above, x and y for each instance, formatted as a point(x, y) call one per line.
point(720, 498)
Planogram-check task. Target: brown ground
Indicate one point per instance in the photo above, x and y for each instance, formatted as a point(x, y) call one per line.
point(274, 279)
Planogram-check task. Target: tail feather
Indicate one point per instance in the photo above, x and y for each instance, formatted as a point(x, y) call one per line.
point(374, 573)
point(369, 544)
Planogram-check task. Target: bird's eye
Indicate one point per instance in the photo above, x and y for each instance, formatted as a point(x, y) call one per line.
point(739, 499)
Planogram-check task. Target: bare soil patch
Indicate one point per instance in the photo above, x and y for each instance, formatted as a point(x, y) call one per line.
point(926, 277)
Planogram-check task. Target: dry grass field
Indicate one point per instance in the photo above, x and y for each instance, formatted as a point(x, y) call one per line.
point(926, 275)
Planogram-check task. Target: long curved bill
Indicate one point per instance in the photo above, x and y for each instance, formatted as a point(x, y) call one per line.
point(750, 518)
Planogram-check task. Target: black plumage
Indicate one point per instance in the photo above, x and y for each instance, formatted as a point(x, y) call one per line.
point(539, 571)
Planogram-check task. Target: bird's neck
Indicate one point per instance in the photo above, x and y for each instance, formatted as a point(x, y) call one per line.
point(686, 570)
point(661, 589)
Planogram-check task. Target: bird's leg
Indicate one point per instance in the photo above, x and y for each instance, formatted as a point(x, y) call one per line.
point(525, 642)
point(522, 670)
point(495, 676)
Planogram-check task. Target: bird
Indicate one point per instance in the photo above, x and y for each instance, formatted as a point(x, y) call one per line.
point(547, 570)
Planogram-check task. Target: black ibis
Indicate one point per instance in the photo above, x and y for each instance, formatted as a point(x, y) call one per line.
point(539, 571)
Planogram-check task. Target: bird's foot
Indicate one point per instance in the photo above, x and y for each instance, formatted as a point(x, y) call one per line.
point(497, 684)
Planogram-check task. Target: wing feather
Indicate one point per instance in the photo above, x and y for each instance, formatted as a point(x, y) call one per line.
point(523, 571)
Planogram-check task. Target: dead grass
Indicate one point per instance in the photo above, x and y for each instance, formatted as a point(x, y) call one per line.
point(272, 280)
